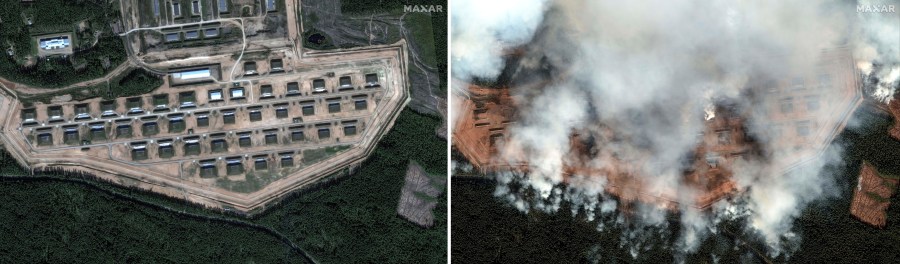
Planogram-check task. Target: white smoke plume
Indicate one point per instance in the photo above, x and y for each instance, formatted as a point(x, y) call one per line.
point(878, 42)
point(482, 30)
point(650, 70)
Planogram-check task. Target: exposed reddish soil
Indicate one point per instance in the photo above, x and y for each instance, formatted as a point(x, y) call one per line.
point(870, 198)
point(486, 113)
point(894, 108)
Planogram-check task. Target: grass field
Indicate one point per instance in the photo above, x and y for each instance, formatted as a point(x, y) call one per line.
point(311, 156)
point(420, 28)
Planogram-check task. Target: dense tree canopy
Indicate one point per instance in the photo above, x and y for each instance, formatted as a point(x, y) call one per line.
point(352, 219)
point(58, 16)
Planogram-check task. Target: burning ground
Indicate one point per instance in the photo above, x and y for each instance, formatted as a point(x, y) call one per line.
point(638, 83)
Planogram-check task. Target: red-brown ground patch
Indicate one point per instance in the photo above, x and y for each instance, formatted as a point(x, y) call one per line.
point(894, 107)
point(485, 114)
point(871, 197)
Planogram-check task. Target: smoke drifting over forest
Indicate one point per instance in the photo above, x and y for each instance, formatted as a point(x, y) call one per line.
point(651, 70)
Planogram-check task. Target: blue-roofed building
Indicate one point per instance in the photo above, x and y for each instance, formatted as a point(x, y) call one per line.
point(193, 74)
point(210, 32)
point(223, 6)
point(176, 9)
point(55, 43)
point(193, 34)
point(173, 37)
point(156, 8)
point(195, 7)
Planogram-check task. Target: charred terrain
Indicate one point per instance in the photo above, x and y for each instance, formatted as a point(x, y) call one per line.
point(707, 133)
point(847, 226)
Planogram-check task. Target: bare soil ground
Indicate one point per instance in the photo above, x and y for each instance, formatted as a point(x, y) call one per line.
point(418, 196)
point(871, 196)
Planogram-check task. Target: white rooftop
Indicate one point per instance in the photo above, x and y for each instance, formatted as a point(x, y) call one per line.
point(190, 75)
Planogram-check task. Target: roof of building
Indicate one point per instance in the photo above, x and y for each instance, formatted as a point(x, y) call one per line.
point(155, 7)
point(195, 7)
point(55, 43)
point(216, 95)
point(211, 32)
point(192, 74)
point(173, 36)
point(191, 34)
point(176, 9)
point(237, 92)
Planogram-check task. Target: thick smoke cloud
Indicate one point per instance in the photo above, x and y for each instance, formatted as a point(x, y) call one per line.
point(650, 70)
point(878, 42)
point(481, 31)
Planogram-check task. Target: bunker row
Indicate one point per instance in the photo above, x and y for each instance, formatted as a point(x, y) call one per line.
point(189, 10)
point(187, 101)
point(237, 165)
point(87, 133)
point(226, 142)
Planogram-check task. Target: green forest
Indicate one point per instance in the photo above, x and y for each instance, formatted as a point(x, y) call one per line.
point(487, 230)
point(133, 82)
point(136, 82)
point(58, 16)
point(351, 219)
